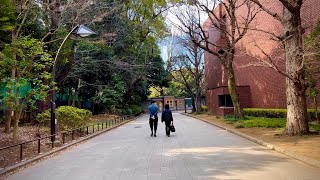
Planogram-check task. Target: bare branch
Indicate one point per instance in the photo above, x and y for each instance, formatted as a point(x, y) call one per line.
point(273, 14)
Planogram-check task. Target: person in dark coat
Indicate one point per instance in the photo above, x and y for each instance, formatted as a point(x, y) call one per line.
point(167, 118)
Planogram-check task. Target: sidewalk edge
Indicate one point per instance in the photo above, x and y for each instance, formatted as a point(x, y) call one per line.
point(302, 158)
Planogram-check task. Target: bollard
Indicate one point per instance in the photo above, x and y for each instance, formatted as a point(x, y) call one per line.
point(87, 130)
point(20, 152)
point(72, 135)
point(39, 144)
point(63, 138)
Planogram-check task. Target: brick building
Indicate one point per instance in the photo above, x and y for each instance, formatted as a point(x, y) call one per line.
point(257, 87)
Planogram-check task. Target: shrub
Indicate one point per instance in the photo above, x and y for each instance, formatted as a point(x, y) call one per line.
point(312, 114)
point(239, 125)
point(68, 117)
point(205, 108)
point(269, 113)
point(314, 127)
point(43, 118)
point(136, 110)
point(71, 117)
point(129, 111)
point(276, 113)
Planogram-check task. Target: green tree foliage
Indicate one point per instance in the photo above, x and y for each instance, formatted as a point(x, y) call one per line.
point(6, 15)
point(117, 71)
point(112, 95)
point(113, 69)
point(28, 60)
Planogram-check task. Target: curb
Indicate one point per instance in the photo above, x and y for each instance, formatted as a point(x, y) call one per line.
point(22, 164)
point(302, 158)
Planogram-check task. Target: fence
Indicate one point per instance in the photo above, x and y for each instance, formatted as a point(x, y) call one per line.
point(71, 134)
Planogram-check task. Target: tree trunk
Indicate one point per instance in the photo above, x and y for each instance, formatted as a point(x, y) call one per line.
point(11, 92)
point(16, 118)
point(315, 102)
point(297, 122)
point(78, 93)
point(16, 126)
point(193, 105)
point(74, 92)
point(8, 121)
point(238, 112)
point(198, 94)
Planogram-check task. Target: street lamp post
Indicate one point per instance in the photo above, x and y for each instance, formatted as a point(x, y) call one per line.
point(83, 31)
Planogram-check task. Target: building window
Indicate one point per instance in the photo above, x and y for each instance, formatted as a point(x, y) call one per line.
point(225, 101)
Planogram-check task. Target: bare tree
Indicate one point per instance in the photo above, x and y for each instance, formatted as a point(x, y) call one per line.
point(296, 85)
point(232, 28)
point(189, 61)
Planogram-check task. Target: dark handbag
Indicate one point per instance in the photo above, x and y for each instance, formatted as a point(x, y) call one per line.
point(172, 129)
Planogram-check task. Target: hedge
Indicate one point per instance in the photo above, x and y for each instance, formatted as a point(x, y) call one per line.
point(136, 109)
point(68, 117)
point(276, 113)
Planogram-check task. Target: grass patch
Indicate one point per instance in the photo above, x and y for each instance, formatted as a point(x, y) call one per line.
point(262, 122)
point(265, 122)
point(250, 122)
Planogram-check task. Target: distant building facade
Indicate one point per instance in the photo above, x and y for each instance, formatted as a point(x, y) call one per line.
point(175, 104)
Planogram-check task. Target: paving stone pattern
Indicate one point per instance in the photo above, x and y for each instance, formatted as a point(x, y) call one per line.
point(196, 151)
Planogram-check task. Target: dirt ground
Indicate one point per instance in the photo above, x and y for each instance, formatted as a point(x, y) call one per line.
point(307, 145)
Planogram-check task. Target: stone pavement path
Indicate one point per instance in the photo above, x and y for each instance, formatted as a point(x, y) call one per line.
point(196, 151)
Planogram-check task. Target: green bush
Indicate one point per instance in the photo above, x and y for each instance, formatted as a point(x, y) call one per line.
point(276, 113)
point(204, 108)
point(269, 113)
point(129, 112)
point(43, 118)
point(312, 114)
point(68, 117)
point(239, 125)
point(314, 127)
point(136, 110)
point(71, 117)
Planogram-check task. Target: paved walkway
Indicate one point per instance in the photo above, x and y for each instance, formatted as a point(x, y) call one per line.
point(196, 151)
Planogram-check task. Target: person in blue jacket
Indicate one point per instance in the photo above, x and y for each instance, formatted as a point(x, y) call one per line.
point(153, 119)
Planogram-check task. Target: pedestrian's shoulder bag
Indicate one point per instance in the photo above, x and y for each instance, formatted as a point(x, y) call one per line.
point(172, 129)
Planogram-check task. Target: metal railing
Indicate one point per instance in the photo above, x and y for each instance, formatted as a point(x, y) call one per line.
point(81, 132)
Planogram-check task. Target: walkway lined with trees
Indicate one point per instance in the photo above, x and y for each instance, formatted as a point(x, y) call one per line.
point(196, 151)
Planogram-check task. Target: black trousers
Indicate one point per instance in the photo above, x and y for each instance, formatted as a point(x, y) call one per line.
point(153, 124)
point(168, 128)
